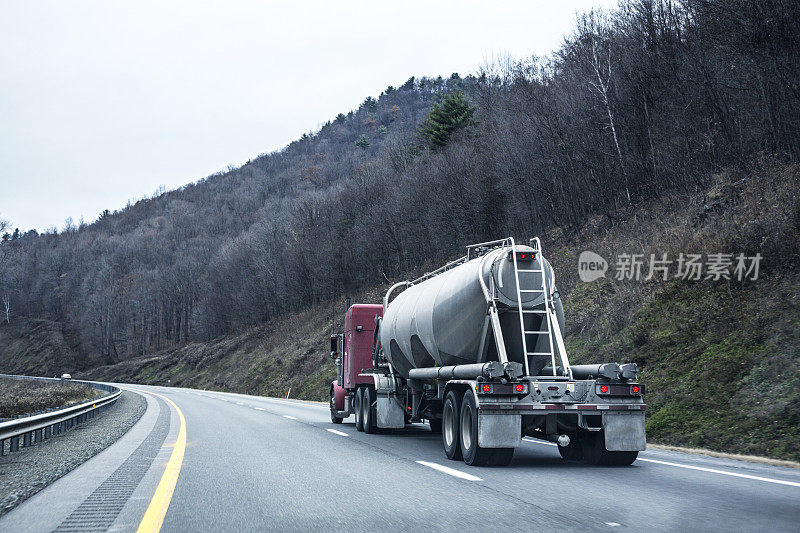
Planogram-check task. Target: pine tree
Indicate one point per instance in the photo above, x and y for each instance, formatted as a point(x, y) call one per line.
point(453, 112)
point(362, 141)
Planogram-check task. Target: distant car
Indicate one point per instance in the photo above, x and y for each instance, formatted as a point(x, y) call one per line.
point(66, 376)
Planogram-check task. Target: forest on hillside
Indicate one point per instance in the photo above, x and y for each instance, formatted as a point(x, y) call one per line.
point(654, 97)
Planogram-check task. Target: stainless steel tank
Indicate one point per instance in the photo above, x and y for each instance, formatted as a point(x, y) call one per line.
point(441, 320)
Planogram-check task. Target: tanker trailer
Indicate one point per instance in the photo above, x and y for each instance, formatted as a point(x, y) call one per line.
point(476, 349)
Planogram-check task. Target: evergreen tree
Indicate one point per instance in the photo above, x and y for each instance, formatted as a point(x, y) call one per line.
point(453, 112)
point(362, 141)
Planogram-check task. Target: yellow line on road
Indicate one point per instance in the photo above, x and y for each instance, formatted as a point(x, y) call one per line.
point(157, 510)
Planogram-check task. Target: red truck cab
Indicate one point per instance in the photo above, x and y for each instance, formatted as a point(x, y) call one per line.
point(352, 351)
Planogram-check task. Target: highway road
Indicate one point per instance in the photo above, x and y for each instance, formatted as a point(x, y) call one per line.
point(210, 461)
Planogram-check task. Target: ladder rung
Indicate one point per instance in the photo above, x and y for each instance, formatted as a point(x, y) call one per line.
point(529, 270)
point(531, 290)
point(539, 353)
point(537, 332)
point(536, 311)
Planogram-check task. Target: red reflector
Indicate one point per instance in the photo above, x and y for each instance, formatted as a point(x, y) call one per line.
point(604, 388)
point(486, 387)
point(635, 389)
point(520, 388)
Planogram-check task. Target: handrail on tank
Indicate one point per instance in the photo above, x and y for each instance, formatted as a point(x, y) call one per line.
point(497, 244)
point(439, 270)
point(389, 293)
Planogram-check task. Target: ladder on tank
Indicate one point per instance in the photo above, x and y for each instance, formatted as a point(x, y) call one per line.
point(551, 320)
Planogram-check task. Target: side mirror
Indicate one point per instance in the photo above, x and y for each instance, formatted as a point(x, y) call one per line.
point(334, 346)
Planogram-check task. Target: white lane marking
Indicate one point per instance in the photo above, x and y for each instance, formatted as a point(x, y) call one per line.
point(342, 433)
point(537, 441)
point(213, 397)
point(613, 524)
point(289, 417)
point(223, 399)
point(259, 408)
point(238, 403)
point(448, 470)
point(723, 472)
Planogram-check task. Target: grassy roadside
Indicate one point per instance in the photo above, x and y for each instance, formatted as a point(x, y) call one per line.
point(20, 397)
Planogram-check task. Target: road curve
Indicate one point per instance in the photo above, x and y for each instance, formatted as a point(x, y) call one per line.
point(253, 463)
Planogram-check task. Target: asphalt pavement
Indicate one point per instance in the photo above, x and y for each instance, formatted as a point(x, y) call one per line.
point(257, 464)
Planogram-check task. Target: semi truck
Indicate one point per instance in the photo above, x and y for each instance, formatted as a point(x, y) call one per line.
point(476, 350)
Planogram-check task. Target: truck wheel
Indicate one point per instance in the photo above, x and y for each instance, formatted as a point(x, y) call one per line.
point(435, 424)
point(573, 451)
point(369, 416)
point(594, 450)
point(452, 408)
point(357, 401)
point(335, 419)
point(473, 454)
point(501, 456)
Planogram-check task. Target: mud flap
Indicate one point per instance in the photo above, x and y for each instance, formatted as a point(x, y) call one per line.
point(499, 431)
point(390, 413)
point(624, 431)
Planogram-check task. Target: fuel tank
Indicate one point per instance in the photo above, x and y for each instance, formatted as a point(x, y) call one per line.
point(441, 320)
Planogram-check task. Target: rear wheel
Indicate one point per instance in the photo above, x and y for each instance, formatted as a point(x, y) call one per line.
point(369, 416)
point(452, 407)
point(357, 401)
point(335, 419)
point(572, 451)
point(594, 450)
point(473, 454)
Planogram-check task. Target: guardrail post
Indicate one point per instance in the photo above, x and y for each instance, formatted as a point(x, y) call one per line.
point(47, 432)
point(2, 447)
point(26, 439)
point(37, 435)
point(14, 444)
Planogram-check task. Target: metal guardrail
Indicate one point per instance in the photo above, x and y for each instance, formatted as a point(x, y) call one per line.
point(38, 427)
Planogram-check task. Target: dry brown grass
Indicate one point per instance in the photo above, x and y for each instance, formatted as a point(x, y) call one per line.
point(22, 397)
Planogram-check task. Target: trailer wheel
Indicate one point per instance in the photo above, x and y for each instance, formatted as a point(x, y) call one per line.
point(501, 456)
point(594, 450)
point(449, 423)
point(572, 451)
point(357, 401)
point(473, 454)
point(369, 416)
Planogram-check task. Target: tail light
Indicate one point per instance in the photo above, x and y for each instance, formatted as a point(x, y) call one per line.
point(510, 389)
point(634, 389)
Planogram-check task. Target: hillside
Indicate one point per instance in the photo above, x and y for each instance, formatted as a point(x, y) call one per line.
point(721, 359)
point(637, 103)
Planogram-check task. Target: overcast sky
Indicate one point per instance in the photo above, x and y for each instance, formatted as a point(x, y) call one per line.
point(105, 101)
